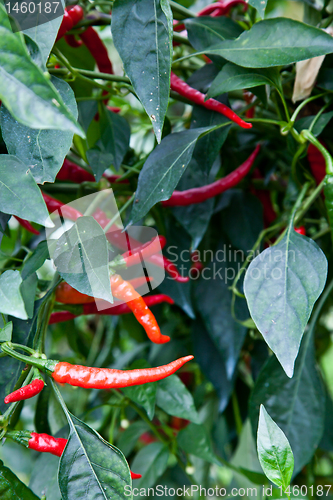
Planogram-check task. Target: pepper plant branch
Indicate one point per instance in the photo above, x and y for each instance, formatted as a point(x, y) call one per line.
point(179, 9)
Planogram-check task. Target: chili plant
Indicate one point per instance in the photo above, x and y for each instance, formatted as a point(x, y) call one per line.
point(166, 229)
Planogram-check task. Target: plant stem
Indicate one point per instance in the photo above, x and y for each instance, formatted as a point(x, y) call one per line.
point(115, 217)
point(179, 9)
point(237, 415)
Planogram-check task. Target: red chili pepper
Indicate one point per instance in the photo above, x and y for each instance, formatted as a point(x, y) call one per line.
point(197, 97)
point(71, 17)
point(198, 195)
point(72, 172)
point(135, 256)
point(265, 198)
point(317, 162)
point(248, 97)
point(216, 9)
point(65, 210)
point(107, 378)
point(26, 224)
point(73, 41)
point(135, 476)
point(96, 47)
point(151, 300)
point(300, 230)
point(26, 392)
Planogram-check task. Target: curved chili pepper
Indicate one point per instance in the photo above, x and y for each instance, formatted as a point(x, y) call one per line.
point(91, 308)
point(107, 378)
point(26, 392)
point(26, 224)
point(47, 443)
point(197, 97)
point(124, 291)
point(216, 9)
point(135, 476)
point(72, 172)
point(72, 41)
point(198, 195)
point(71, 17)
point(317, 162)
point(96, 47)
point(65, 210)
point(65, 294)
point(135, 255)
point(300, 230)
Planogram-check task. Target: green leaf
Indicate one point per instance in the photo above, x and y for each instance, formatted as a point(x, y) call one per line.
point(44, 475)
point(6, 332)
point(35, 260)
point(113, 144)
point(260, 5)
point(128, 439)
point(146, 55)
point(19, 193)
point(150, 462)
point(11, 488)
point(144, 395)
point(281, 286)
point(11, 301)
point(260, 47)
point(207, 31)
point(43, 151)
point(24, 89)
point(163, 169)
point(90, 467)
point(81, 257)
point(194, 440)
point(28, 290)
point(305, 123)
point(44, 35)
point(233, 77)
point(173, 397)
point(285, 399)
point(274, 451)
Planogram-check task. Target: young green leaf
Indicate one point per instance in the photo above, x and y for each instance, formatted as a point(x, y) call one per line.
point(163, 169)
point(260, 47)
point(281, 286)
point(20, 194)
point(6, 332)
point(11, 300)
point(150, 462)
point(144, 395)
point(194, 440)
point(43, 151)
point(274, 451)
point(141, 35)
point(81, 257)
point(260, 5)
point(173, 397)
point(24, 89)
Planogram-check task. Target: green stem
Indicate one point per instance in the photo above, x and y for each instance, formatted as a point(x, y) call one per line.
point(101, 196)
point(304, 103)
point(45, 365)
point(295, 208)
point(44, 314)
point(181, 39)
point(92, 74)
point(179, 9)
point(115, 217)
point(284, 105)
point(237, 415)
point(308, 202)
point(328, 158)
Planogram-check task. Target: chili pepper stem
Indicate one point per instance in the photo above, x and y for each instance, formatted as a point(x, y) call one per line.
point(44, 365)
point(328, 158)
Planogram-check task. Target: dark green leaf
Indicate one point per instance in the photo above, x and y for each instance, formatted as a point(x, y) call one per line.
point(111, 148)
point(4, 218)
point(43, 151)
point(28, 290)
point(274, 451)
point(173, 397)
point(285, 399)
point(144, 395)
point(130, 436)
point(260, 47)
point(36, 260)
point(24, 89)
point(81, 257)
point(11, 488)
point(11, 301)
point(260, 5)
point(20, 194)
point(151, 462)
point(281, 286)
point(205, 31)
point(146, 56)
point(6, 332)
point(163, 169)
point(305, 123)
point(232, 77)
point(41, 415)
point(194, 440)
point(90, 467)
point(44, 477)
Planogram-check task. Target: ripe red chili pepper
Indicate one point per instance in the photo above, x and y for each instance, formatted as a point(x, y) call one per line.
point(248, 97)
point(265, 198)
point(96, 47)
point(72, 172)
point(124, 291)
point(216, 9)
point(65, 210)
point(135, 255)
point(71, 17)
point(26, 224)
point(317, 162)
point(65, 294)
point(197, 97)
point(107, 378)
point(135, 476)
point(300, 230)
point(26, 392)
point(72, 41)
point(203, 193)
point(150, 300)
